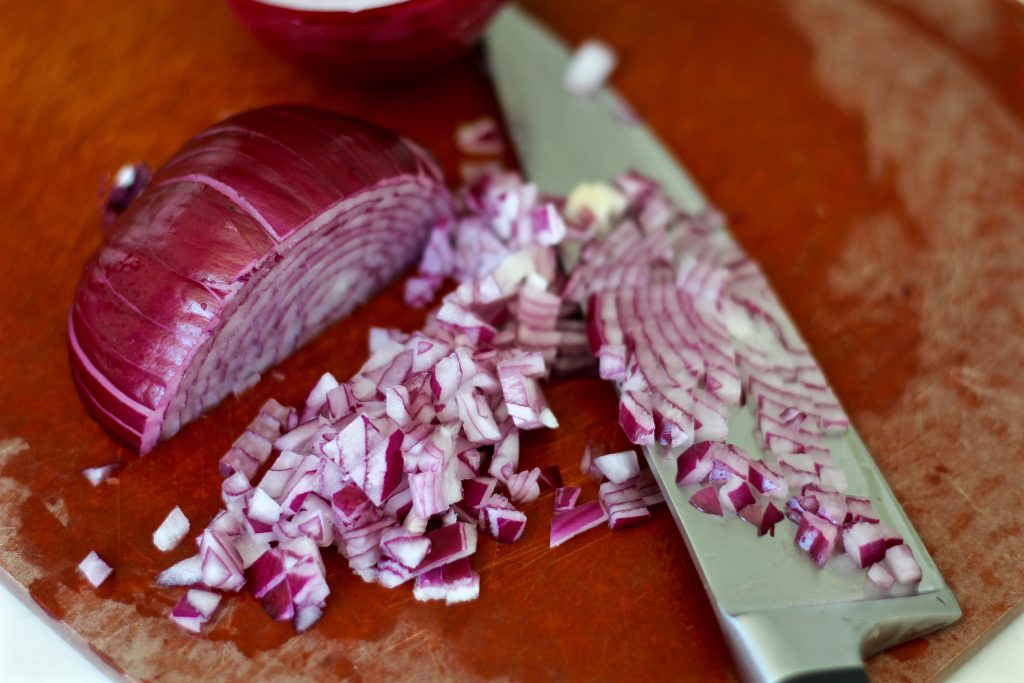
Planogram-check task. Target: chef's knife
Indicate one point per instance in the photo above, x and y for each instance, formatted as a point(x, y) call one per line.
point(784, 619)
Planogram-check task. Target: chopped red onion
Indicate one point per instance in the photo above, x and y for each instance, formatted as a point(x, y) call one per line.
point(477, 491)
point(502, 520)
point(195, 608)
point(618, 467)
point(566, 497)
point(735, 495)
point(408, 548)
point(575, 521)
point(863, 542)
point(171, 531)
point(900, 562)
point(98, 475)
point(589, 68)
point(454, 582)
point(188, 572)
point(481, 136)
point(222, 564)
point(523, 486)
point(627, 514)
point(611, 493)
point(694, 465)
point(881, 576)
point(706, 500)
point(94, 569)
point(817, 537)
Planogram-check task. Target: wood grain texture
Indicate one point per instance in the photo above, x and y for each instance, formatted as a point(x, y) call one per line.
point(869, 153)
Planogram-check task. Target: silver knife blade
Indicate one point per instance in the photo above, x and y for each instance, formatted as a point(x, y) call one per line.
point(782, 616)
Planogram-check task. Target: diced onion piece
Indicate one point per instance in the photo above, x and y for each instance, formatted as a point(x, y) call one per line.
point(618, 467)
point(900, 562)
point(566, 497)
point(171, 531)
point(188, 572)
point(481, 136)
point(706, 500)
point(575, 521)
point(98, 475)
point(95, 570)
point(591, 64)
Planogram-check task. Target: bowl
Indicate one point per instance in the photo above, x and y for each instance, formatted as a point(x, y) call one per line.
point(367, 40)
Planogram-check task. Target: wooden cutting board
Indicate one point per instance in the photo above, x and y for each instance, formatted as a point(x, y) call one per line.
point(869, 154)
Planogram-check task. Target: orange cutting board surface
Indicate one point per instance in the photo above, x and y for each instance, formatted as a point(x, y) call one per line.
point(869, 153)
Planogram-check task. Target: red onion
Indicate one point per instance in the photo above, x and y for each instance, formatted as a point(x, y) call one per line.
point(566, 497)
point(454, 582)
point(367, 40)
point(481, 136)
point(817, 537)
point(618, 467)
point(900, 562)
point(734, 495)
point(171, 531)
point(575, 521)
point(94, 569)
point(502, 520)
point(177, 309)
point(706, 500)
point(881, 576)
point(195, 608)
point(188, 572)
point(98, 475)
point(590, 66)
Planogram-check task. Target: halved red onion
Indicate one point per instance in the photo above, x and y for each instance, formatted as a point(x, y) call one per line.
point(171, 531)
point(193, 270)
point(94, 569)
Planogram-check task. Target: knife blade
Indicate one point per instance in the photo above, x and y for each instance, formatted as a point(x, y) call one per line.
point(784, 619)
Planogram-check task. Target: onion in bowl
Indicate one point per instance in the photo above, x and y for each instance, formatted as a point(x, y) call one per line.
point(367, 40)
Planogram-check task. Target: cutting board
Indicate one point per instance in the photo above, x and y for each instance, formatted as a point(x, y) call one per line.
point(869, 154)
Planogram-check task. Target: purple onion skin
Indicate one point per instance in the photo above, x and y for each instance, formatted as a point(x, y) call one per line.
point(252, 202)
